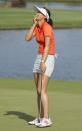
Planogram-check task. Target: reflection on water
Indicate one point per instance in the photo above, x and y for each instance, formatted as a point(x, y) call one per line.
point(54, 5)
point(17, 56)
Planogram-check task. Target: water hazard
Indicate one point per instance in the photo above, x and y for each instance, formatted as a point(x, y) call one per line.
point(17, 56)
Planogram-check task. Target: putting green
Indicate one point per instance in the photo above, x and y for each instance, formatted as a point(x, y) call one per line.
point(18, 105)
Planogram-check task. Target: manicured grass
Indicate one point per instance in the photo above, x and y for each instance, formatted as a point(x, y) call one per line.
point(15, 18)
point(73, 87)
point(18, 106)
point(11, 18)
point(67, 18)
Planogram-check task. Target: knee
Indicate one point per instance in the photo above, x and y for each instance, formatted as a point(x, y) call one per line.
point(43, 92)
point(36, 78)
point(38, 91)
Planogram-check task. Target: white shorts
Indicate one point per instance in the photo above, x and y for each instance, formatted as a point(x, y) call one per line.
point(50, 62)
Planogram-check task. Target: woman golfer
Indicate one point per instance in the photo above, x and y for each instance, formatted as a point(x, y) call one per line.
point(42, 30)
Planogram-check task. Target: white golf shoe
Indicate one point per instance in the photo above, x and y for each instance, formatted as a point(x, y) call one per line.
point(36, 121)
point(44, 123)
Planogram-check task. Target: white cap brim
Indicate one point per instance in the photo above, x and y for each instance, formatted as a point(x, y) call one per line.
point(43, 11)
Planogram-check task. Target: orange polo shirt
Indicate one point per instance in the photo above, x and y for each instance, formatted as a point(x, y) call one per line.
point(40, 34)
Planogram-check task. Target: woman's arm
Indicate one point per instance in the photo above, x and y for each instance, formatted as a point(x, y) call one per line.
point(29, 35)
point(31, 32)
point(45, 54)
point(46, 49)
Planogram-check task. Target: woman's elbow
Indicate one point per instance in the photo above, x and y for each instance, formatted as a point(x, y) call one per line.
point(27, 38)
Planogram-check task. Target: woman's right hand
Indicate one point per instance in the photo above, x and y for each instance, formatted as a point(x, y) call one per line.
point(31, 32)
point(35, 20)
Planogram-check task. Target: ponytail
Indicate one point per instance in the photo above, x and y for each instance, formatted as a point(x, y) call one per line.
point(50, 22)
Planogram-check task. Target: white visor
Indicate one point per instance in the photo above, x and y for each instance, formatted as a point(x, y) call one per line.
point(43, 11)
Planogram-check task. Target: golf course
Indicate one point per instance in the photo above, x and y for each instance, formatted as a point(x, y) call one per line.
point(18, 95)
point(18, 106)
point(17, 18)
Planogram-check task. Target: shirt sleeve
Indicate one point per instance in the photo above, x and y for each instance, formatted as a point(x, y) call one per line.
point(47, 30)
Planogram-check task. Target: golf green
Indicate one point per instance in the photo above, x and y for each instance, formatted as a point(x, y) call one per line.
point(18, 105)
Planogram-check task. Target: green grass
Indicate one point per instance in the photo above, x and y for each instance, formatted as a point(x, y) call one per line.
point(62, 1)
point(16, 18)
point(17, 105)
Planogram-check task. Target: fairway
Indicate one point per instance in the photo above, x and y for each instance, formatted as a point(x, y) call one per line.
point(18, 105)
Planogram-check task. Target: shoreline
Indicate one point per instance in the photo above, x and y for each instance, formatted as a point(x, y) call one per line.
point(32, 79)
point(54, 85)
point(57, 28)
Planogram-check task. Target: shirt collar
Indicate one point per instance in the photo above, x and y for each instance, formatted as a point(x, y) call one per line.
point(42, 25)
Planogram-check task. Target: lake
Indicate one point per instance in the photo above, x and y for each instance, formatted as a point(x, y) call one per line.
point(55, 5)
point(17, 55)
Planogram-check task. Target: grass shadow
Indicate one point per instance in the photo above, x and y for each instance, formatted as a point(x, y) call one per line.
point(20, 115)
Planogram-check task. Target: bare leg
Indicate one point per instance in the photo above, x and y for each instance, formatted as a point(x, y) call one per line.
point(37, 78)
point(44, 96)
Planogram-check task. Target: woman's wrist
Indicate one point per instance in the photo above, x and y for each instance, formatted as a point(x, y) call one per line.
point(32, 28)
point(34, 24)
point(42, 61)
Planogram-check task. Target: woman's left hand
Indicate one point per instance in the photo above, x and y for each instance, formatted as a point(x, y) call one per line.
point(43, 67)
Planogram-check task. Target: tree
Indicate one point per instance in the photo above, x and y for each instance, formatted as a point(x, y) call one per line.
point(18, 3)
